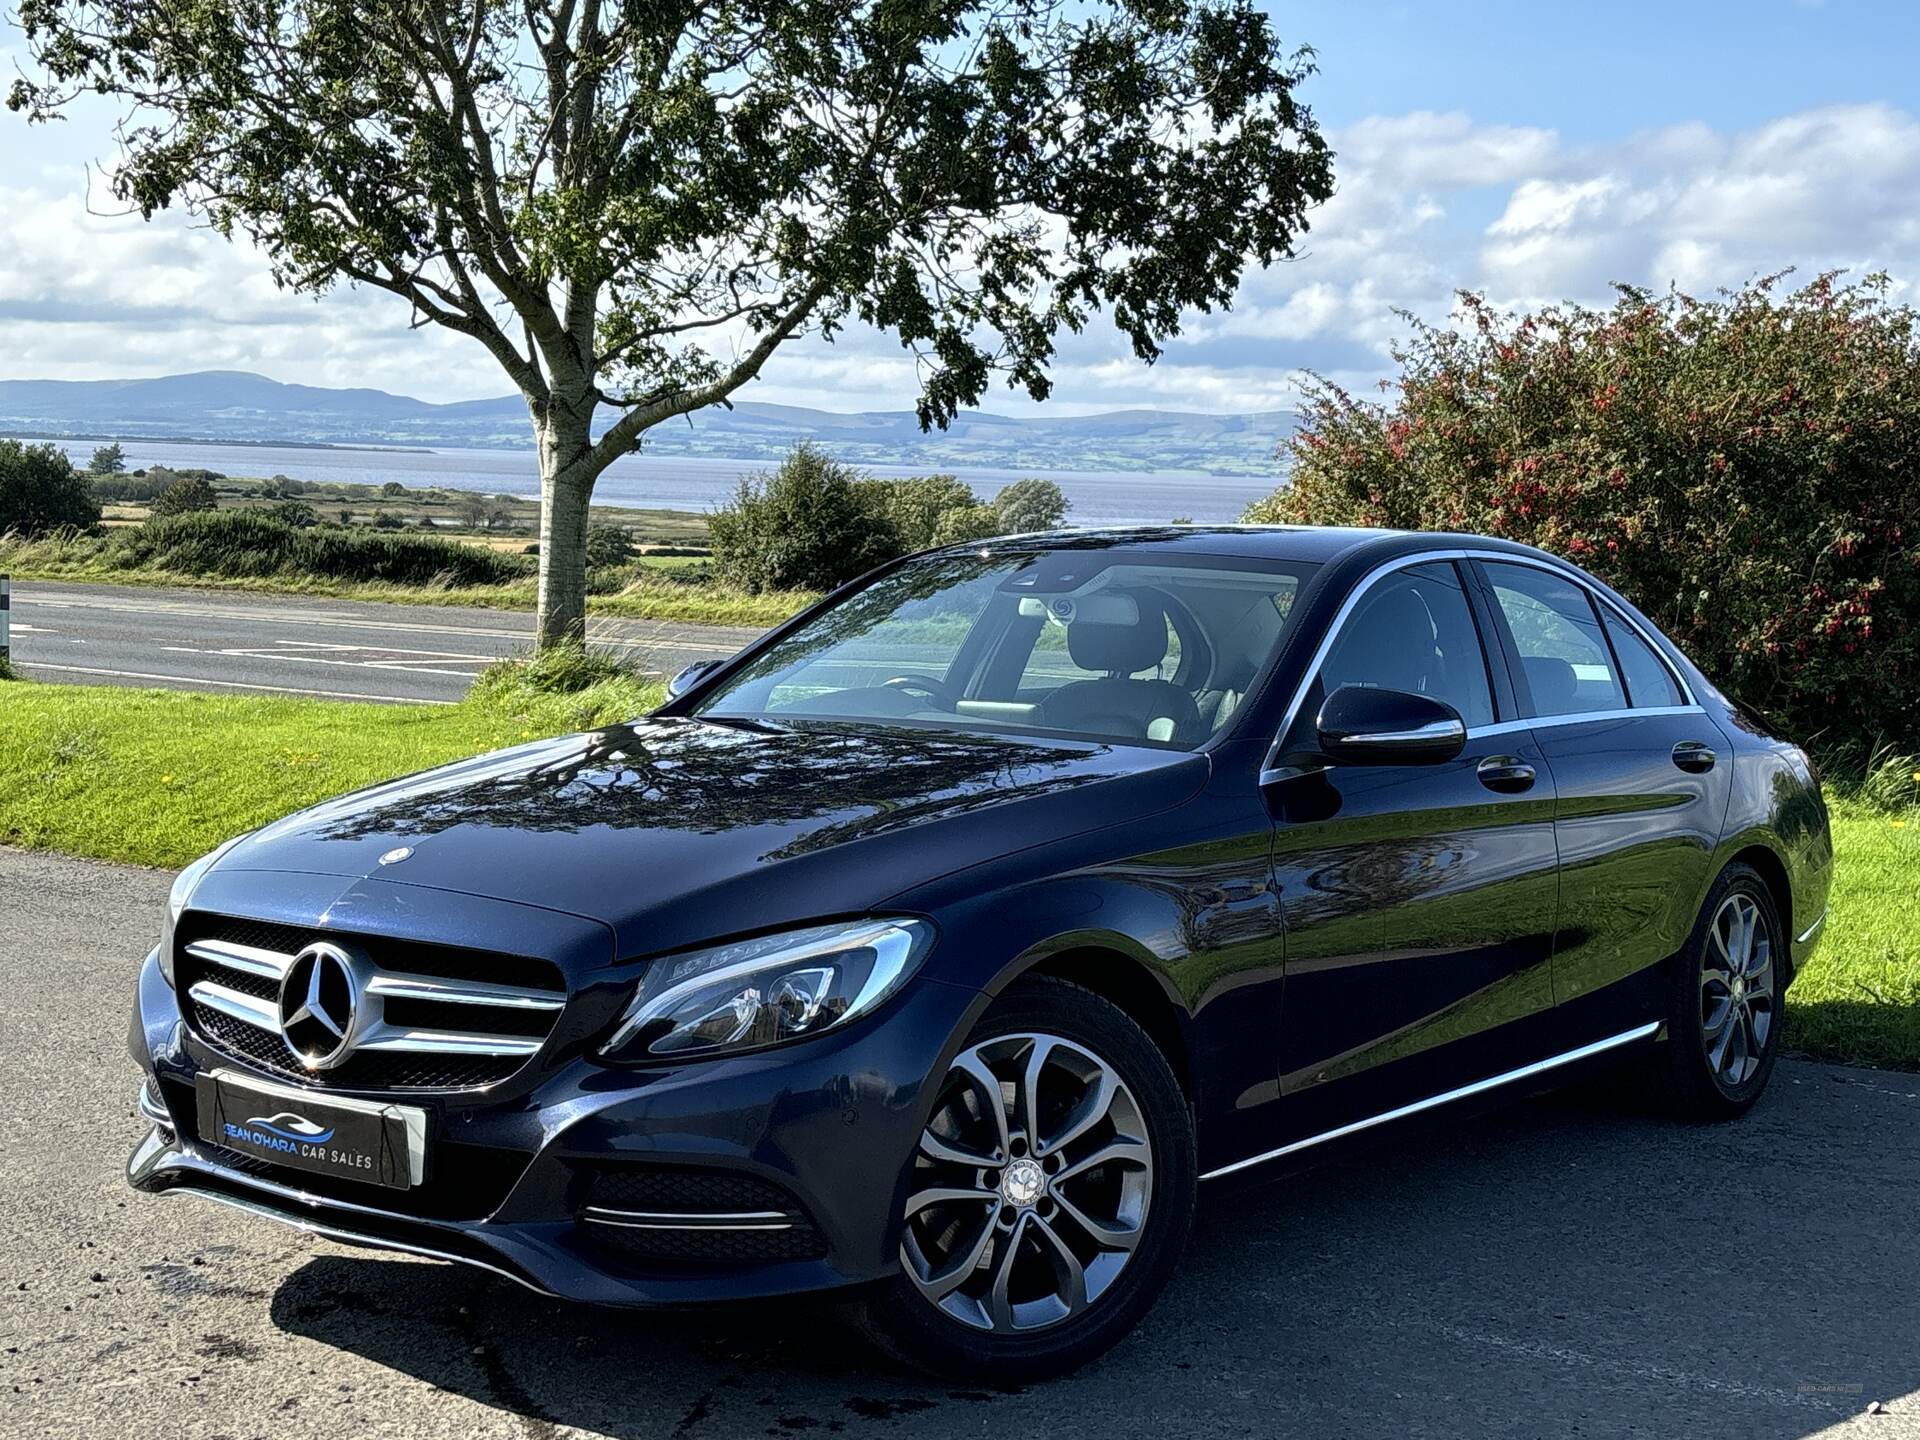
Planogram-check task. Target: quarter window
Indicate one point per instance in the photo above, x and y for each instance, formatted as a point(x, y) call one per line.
point(1649, 682)
point(1557, 636)
point(1414, 631)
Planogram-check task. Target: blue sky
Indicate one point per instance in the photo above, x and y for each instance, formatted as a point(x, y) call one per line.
point(1535, 152)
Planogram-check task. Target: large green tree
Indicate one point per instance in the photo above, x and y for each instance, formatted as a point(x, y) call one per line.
point(632, 206)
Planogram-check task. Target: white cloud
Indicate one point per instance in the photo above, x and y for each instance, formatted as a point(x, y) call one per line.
point(1427, 203)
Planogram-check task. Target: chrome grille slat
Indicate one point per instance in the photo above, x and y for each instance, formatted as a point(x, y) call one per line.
point(251, 1009)
point(381, 1036)
point(450, 992)
point(229, 955)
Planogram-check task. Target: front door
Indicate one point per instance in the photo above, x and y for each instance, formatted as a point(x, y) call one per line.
point(1419, 900)
point(1643, 780)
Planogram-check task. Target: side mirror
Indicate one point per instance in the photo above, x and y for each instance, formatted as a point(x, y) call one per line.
point(1360, 725)
point(691, 676)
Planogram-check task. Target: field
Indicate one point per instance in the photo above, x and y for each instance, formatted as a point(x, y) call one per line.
point(157, 777)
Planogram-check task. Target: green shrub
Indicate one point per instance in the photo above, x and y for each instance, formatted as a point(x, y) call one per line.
point(241, 544)
point(1027, 505)
point(40, 491)
point(296, 513)
point(187, 495)
point(608, 545)
point(1741, 468)
point(929, 510)
point(805, 526)
point(129, 489)
point(107, 460)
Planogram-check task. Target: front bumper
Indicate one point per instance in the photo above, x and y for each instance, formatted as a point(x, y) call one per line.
point(829, 1123)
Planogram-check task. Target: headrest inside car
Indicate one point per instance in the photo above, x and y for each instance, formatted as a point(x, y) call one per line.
point(1119, 647)
point(1553, 683)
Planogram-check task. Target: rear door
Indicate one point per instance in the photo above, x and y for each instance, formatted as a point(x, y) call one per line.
point(1643, 782)
point(1418, 899)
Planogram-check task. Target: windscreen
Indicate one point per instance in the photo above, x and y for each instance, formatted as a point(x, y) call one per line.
point(1143, 647)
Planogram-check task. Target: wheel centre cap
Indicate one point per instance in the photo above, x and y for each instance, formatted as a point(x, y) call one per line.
point(1023, 1182)
point(1739, 989)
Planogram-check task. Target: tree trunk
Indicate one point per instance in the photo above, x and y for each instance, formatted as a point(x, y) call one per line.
point(566, 489)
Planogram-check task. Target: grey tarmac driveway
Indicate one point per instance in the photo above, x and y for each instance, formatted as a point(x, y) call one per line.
point(1568, 1266)
point(239, 642)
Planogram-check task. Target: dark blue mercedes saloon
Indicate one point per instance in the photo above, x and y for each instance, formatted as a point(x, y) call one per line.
point(934, 948)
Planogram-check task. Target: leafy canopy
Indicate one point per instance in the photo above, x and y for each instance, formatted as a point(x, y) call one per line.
point(635, 203)
point(1744, 468)
point(41, 491)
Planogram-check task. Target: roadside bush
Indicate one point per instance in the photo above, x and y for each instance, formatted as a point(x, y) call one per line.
point(185, 496)
point(40, 491)
point(240, 544)
point(296, 513)
point(1743, 468)
point(805, 526)
point(128, 489)
point(929, 510)
point(608, 545)
point(1031, 505)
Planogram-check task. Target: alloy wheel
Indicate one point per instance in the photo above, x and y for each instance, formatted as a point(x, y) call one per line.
point(1737, 990)
point(1029, 1191)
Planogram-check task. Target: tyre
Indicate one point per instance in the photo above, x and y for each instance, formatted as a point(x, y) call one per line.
point(1049, 1198)
point(1723, 1024)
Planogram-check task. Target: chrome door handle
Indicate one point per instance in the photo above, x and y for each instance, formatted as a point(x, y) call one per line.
point(1694, 756)
point(1508, 774)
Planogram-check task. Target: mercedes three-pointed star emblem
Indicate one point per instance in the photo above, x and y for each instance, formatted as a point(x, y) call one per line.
point(319, 1005)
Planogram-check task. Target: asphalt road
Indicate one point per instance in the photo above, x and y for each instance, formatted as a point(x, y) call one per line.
point(1569, 1266)
point(240, 643)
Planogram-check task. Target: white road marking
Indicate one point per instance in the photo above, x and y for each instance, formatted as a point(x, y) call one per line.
point(598, 634)
point(194, 680)
point(33, 630)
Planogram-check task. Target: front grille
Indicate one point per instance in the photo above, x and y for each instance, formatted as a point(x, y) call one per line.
point(437, 1017)
point(654, 1218)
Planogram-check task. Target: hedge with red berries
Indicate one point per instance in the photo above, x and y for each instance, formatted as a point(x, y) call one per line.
point(1746, 469)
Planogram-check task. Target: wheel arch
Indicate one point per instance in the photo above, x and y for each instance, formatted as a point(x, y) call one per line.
point(1772, 871)
point(1138, 988)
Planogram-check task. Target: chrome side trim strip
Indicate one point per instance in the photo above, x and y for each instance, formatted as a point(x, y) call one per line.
point(1811, 930)
point(688, 1220)
point(463, 992)
point(268, 964)
point(250, 1009)
point(1626, 1037)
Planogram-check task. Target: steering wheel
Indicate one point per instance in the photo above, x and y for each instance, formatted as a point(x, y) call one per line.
point(937, 691)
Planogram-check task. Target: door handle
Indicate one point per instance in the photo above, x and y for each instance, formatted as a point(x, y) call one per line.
point(1508, 774)
point(1692, 755)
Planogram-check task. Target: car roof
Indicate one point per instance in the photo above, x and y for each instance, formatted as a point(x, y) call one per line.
point(1310, 544)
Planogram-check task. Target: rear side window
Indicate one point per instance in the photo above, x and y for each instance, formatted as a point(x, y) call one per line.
point(1569, 668)
point(1649, 682)
point(1414, 631)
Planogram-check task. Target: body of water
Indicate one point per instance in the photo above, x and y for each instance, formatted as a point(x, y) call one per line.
point(668, 482)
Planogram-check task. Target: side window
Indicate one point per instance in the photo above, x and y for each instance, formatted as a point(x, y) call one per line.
point(1414, 631)
point(1649, 682)
point(1568, 666)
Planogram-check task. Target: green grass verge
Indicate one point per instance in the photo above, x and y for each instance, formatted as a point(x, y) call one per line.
point(1859, 997)
point(157, 777)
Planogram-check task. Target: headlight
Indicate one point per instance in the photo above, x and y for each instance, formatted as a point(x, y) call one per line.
point(183, 887)
point(761, 992)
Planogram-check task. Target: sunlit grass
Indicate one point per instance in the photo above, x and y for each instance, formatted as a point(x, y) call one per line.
point(1859, 997)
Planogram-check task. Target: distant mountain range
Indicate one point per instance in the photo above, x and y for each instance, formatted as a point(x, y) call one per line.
point(231, 406)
